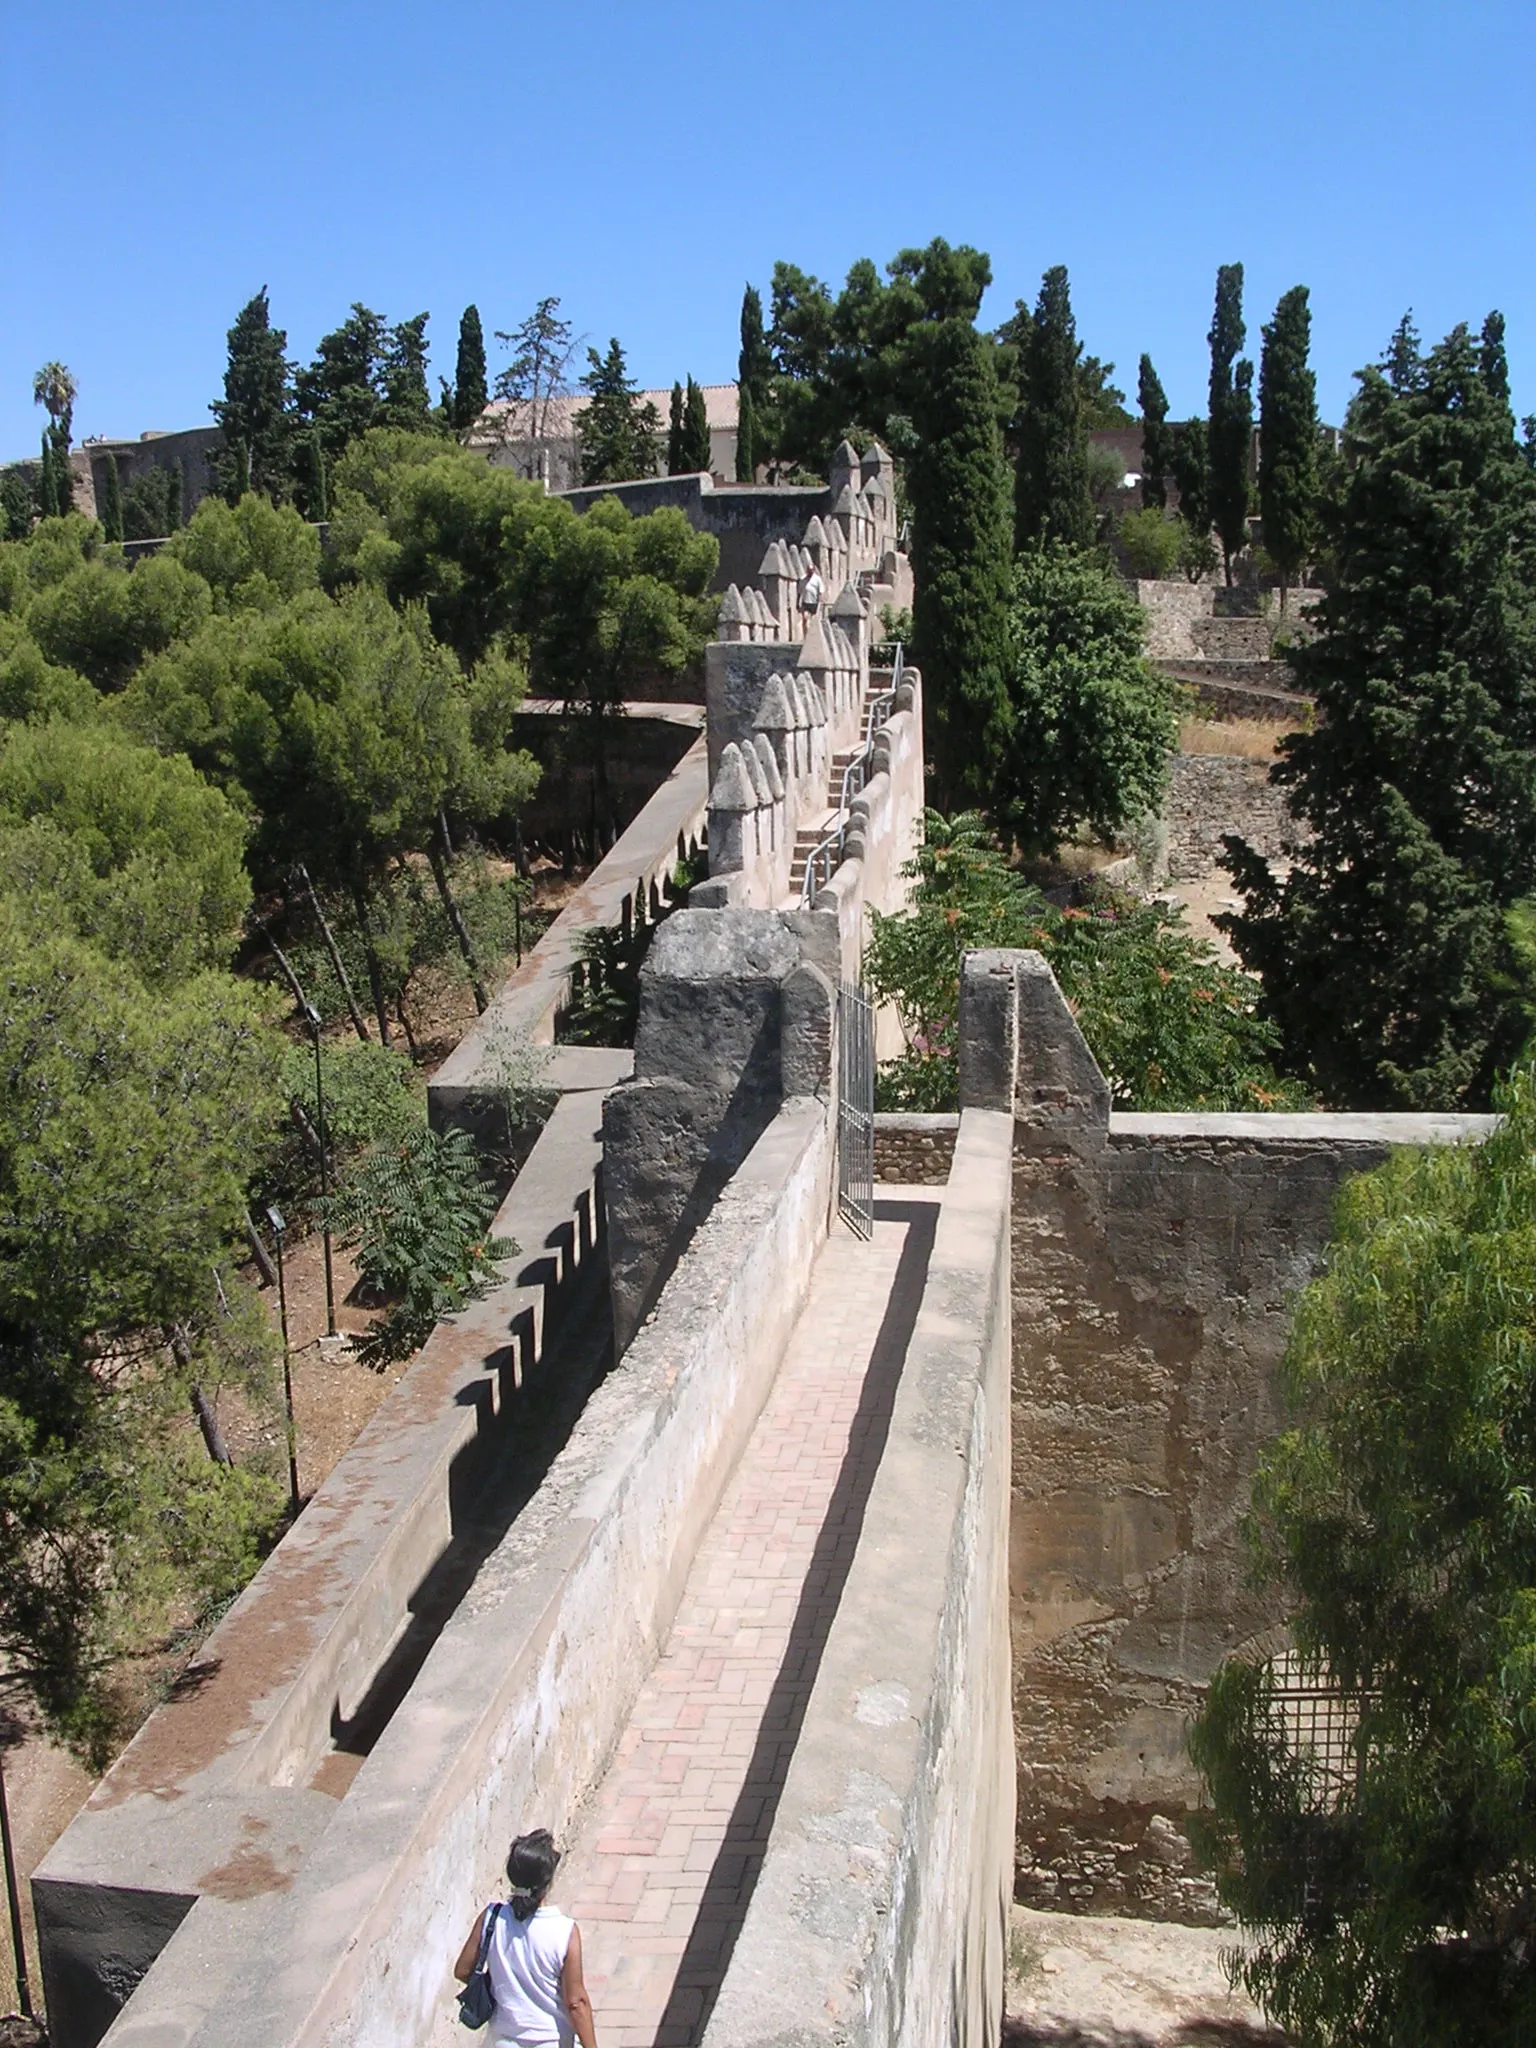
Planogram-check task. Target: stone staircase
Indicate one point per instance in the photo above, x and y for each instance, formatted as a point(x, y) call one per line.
point(810, 836)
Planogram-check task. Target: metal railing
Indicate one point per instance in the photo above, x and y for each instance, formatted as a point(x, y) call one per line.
point(826, 855)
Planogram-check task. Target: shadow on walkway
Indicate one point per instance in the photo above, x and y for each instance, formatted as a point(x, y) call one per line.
point(733, 1876)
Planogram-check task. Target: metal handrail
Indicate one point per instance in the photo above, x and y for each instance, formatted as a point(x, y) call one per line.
point(821, 857)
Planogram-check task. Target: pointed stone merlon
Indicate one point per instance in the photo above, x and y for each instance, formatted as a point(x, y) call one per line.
point(734, 618)
point(733, 804)
point(775, 722)
point(845, 472)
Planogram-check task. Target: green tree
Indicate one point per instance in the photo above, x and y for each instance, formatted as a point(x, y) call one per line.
point(1091, 721)
point(112, 501)
point(17, 504)
point(255, 413)
point(1394, 1904)
point(152, 503)
point(340, 395)
point(1288, 486)
point(1101, 403)
point(404, 397)
point(136, 853)
point(1156, 436)
point(1151, 542)
point(617, 430)
point(128, 1129)
point(467, 400)
point(1052, 502)
point(754, 389)
point(693, 449)
point(102, 619)
point(675, 432)
point(1383, 952)
point(746, 436)
point(252, 555)
point(962, 547)
point(542, 348)
point(1192, 481)
point(1231, 418)
point(1169, 1025)
point(1403, 363)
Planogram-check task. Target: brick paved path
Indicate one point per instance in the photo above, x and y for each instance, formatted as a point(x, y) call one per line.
point(662, 1873)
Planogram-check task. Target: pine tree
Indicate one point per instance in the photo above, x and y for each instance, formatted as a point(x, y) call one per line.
point(695, 449)
point(746, 435)
point(1052, 501)
point(1231, 429)
point(469, 383)
point(617, 432)
point(319, 478)
point(1288, 485)
point(255, 412)
point(962, 550)
point(406, 401)
point(675, 432)
point(1403, 362)
point(1156, 441)
point(1384, 953)
point(112, 501)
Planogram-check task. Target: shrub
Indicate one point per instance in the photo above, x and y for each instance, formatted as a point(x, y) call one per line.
point(1151, 542)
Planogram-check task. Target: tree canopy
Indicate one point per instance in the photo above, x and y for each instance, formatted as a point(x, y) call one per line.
point(1288, 484)
point(1383, 952)
point(618, 431)
point(1389, 1900)
point(1231, 416)
point(1052, 501)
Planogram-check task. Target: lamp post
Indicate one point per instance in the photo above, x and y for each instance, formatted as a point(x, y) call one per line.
point(312, 1018)
point(279, 1226)
point(12, 1886)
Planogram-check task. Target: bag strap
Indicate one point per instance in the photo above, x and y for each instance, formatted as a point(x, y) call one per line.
point(487, 1928)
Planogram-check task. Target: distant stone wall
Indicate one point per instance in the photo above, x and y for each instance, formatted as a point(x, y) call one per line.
point(913, 1150)
point(1172, 611)
point(1233, 639)
point(1210, 795)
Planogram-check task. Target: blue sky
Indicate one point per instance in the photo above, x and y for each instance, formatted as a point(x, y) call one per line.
point(159, 162)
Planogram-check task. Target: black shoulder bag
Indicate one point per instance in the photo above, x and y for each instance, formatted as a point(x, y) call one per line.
point(477, 2001)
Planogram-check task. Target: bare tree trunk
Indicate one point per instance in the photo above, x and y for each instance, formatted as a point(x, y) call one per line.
point(330, 946)
point(405, 1024)
point(208, 1423)
point(439, 865)
point(375, 971)
point(259, 1252)
point(284, 963)
point(299, 1117)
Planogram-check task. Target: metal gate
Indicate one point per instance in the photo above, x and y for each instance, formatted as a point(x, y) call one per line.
point(856, 1109)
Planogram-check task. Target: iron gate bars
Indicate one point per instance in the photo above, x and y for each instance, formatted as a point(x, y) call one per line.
point(856, 1110)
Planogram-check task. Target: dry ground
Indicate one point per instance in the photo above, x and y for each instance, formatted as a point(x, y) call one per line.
point(1084, 1982)
point(1253, 739)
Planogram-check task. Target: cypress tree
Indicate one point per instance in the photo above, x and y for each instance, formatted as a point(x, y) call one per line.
point(962, 548)
point(255, 412)
point(1052, 501)
point(754, 368)
point(112, 501)
point(1288, 437)
point(319, 478)
point(675, 463)
point(695, 443)
point(47, 482)
point(175, 496)
point(1231, 429)
point(746, 435)
point(469, 386)
point(1156, 441)
point(1384, 953)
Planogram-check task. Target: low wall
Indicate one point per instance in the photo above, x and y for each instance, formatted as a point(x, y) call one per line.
point(515, 1713)
point(1210, 795)
point(214, 1807)
point(914, 1150)
point(465, 1090)
point(880, 1913)
point(1154, 1266)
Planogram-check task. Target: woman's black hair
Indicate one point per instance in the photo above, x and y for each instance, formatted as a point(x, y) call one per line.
point(531, 1864)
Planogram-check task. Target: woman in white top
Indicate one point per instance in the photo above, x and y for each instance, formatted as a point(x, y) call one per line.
point(534, 1959)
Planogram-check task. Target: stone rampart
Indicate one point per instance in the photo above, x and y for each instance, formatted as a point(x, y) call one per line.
point(218, 1802)
point(1211, 795)
point(1156, 1259)
point(880, 1913)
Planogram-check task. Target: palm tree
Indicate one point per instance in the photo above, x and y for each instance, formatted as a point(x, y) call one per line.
point(54, 387)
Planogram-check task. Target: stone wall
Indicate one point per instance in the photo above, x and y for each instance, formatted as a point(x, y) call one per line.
point(1210, 795)
point(879, 1918)
point(913, 1150)
point(1155, 1262)
point(1172, 610)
